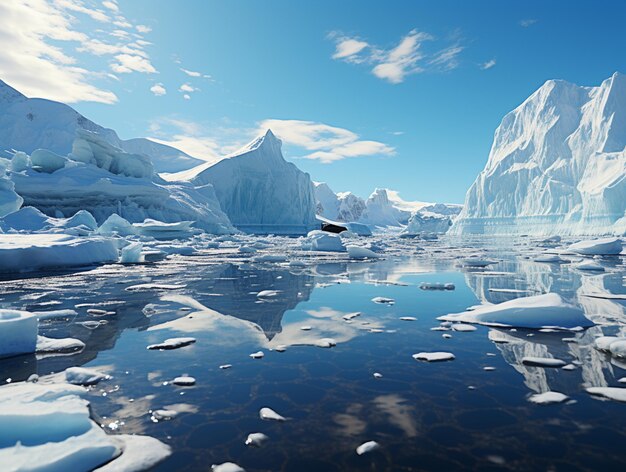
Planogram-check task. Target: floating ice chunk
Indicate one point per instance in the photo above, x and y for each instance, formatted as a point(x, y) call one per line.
point(378, 375)
point(326, 342)
point(550, 258)
point(268, 293)
point(247, 250)
point(536, 312)
point(306, 328)
point(257, 355)
point(115, 224)
point(446, 336)
point(256, 439)
point(605, 343)
point(52, 345)
point(408, 318)
point(548, 398)
point(161, 230)
point(612, 393)
point(84, 376)
point(227, 467)
point(225, 366)
point(464, 328)
point(590, 266)
point(351, 316)
point(268, 414)
point(325, 242)
point(28, 252)
point(47, 161)
point(131, 254)
point(163, 415)
point(436, 286)
point(383, 300)
point(489, 369)
point(598, 247)
point(366, 447)
point(543, 361)
point(18, 333)
point(358, 252)
point(569, 367)
point(270, 258)
point(434, 356)
point(140, 453)
point(172, 343)
point(184, 381)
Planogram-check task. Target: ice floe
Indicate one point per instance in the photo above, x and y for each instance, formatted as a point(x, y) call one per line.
point(433, 356)
point(172, 343)
point(18, 332)
point(598, 247)
point(256, 439)
point(547, 398)
point(84, 376)
point(266, 413)
point(366, 447)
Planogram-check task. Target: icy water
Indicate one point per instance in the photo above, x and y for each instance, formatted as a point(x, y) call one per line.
point(426, 416)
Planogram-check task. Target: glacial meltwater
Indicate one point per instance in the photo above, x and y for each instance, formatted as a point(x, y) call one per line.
point(341, 353)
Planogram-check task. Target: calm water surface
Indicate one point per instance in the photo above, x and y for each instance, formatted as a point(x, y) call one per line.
point(427, 416)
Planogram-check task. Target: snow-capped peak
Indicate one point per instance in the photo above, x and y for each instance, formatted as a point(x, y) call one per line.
point(8, 94)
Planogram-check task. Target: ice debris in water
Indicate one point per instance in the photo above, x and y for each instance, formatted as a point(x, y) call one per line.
point(257, 355)
point(547, 398)
point(543, 362)
point(131, 254)
point(267, 293)
point(18, 332)
point(433, 356)
point(462, 327)
point(184, 381)
point(598, 247)
point(366, 447)
point(326, 342)
point(84, 376)
point(358, 252)
point(408, 318)
point(590, 266)
point(256, 439)
point(383, 300)
point(163, 415)
point(268, 414)
point(172, 343)
point(611, 393)
point(227, 467)
point(437, 286)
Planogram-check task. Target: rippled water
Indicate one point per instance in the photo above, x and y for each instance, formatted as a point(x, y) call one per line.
point(426, 416)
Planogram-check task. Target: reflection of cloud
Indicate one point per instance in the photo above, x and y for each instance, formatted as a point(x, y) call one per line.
point(400, 414)
point(349, 423)
point(133, 413)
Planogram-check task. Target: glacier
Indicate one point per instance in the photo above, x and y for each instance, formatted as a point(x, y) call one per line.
point(557, 165)
point(102, 179)
point(27, 124)
point(258, 190)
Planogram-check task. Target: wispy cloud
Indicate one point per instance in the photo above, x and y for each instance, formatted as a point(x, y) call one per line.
point(323, 142)
point(186, 87)
point(408, 57)
point(488, 65)
point(158, 89)
point(41, 38)
point(527, 22)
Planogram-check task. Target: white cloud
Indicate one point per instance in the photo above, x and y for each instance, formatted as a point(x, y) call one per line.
point(186, 87)
point(111, 5)
point(328, 143)
point(158, 89)
point(127, 63)
point(191, 73)
point(527, 22)
point(79, 7)
point(143, 29)
point(32, 59)
point(187, 96)
point(408, 57)
point(488, 65)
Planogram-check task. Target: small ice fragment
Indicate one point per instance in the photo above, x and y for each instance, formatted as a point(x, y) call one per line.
point(184, 381)
point(378, 375)
point(547, 398)
point(433, 356)
point(446, 336)
point(268, 293)
point(436, 286)
point(163, 415)
point(256, 439)
point(326, 342)
point(612, 393)
point(306, 328)
point(620, 380)
point(408, 318)
point(350, 316)
point(257, 355)
point(569, 367)
point(227, 467)
point(465, 328)
point(280, 348)
point(225, 366)
point(366, 447)
point(384, 300)
point(268, 414)
point(84, 376)
point(96, 311)
point(172, 343)
point(543, 362)
point(489, 369)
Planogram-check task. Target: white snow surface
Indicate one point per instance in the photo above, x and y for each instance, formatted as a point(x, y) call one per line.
point(258, 190)
point(27, 124)
point(18, 332)
point(536, 312)
point(557, 165)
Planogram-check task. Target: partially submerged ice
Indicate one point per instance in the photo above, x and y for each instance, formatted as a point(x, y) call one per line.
point(536, 312)
point(18, 332)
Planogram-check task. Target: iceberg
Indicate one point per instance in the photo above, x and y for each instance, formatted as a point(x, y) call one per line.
point(258, 190)
point(9, 200)
point(427, 222)
point(18, 332)
point(557, 165)
point(104, 180)
point(28, 124)
point(598, 247)
point(536, 312)
point(29, 252)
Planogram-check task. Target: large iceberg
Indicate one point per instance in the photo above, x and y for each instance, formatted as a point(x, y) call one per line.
point(427, 222)
point(258, 190)
point(557, 165)
point(103, 180)
point(27, 124)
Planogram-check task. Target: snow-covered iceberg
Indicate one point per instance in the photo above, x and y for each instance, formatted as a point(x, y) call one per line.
point(427, 222)
point(18, 332)
point(103, 180)
point(258, 190)
point(536, 312)
point(28, 252)
point(557, 165)
point(27, 124)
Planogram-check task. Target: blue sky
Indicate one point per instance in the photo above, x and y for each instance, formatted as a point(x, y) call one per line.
point(398, 94)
